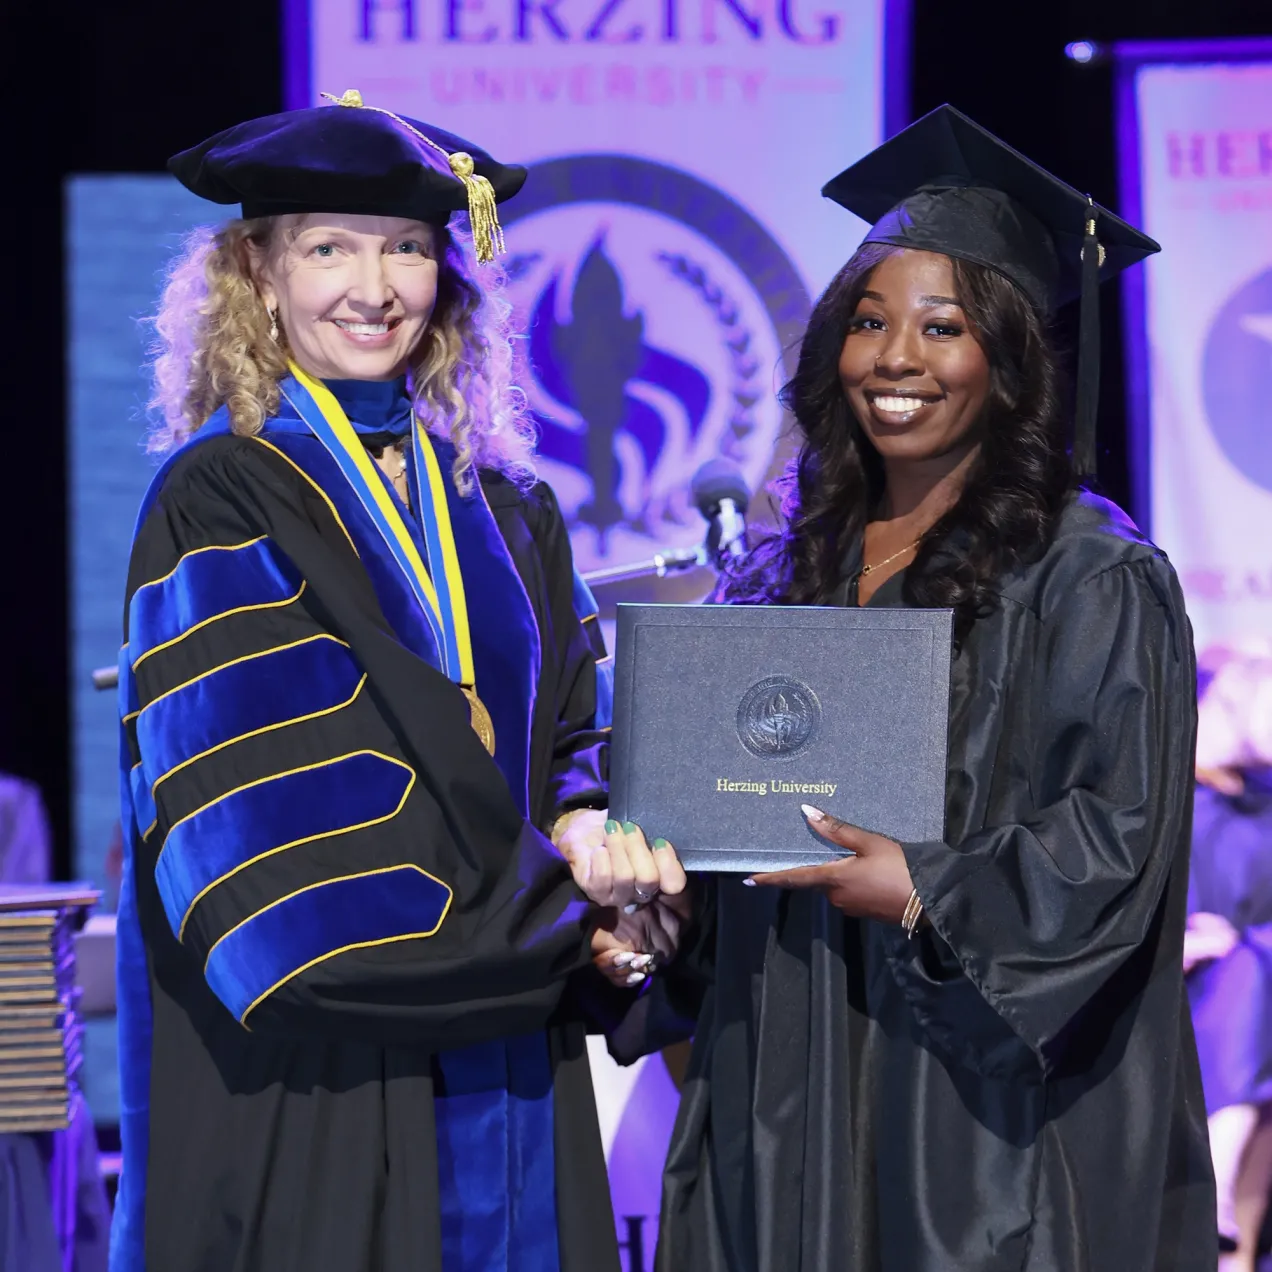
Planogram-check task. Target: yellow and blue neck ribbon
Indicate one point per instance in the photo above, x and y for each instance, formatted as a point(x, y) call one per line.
point(437, 583)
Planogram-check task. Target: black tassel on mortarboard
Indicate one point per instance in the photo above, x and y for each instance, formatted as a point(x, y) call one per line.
point(1085, 461)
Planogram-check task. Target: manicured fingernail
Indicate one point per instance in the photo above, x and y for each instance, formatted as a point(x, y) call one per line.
point(660, 843)
point(813, 814)
point(635, 978)
point(621, 960)
point(642, 962)
point(631, 909)
point(629, 828)
point(611, 827)
point(748, 882)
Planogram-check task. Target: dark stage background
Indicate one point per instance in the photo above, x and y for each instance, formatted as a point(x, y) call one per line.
point(117, 88)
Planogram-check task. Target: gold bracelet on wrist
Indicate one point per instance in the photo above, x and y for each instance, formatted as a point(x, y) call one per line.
point(912, 914)
point(908, 911)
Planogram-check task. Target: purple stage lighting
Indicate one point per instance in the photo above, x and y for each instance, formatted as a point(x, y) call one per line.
point(1084, 52)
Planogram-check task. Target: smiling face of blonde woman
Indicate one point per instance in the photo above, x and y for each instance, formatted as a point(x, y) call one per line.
point(352, 294)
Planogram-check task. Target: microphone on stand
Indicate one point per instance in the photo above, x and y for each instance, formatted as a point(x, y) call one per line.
point(721, 494)
point(669, 561)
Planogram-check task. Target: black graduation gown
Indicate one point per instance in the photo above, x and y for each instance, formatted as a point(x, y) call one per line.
point(304, 1138)
point(1017, 1087)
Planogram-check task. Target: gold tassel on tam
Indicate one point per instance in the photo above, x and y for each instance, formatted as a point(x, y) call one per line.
point(483, 215)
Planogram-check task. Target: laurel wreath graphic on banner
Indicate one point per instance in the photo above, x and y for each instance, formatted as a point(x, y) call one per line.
point(737, 339)
point(672, 505)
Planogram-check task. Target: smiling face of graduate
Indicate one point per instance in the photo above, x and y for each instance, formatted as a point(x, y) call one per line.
point(353, 294)
point(912, 368)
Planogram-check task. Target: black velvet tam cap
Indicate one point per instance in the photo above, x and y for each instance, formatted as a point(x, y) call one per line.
point(353, 158)
point(945, 184)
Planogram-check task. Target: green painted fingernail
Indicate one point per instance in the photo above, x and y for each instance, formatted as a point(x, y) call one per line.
point(629, 827)
point(611, 827)
point(661, 843)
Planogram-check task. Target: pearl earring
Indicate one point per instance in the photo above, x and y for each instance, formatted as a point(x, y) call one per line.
point(273, 324)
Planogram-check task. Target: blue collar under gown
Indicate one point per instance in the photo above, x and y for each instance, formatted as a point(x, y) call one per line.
point(493, 1100)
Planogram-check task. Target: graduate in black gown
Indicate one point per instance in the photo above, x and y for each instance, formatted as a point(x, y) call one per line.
point(359, 741)
point(972, 1054)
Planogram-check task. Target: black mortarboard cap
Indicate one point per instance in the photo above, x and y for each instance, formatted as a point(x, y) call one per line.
point(945, 184)
point(351, 158)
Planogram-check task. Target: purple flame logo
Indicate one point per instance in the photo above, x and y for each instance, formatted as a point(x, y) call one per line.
point(590, 365)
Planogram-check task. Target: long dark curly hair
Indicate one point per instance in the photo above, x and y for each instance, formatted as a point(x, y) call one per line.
point(1015, 488)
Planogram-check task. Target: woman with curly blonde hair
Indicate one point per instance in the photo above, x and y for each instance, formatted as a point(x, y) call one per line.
point(219, 346)
point(360, 756)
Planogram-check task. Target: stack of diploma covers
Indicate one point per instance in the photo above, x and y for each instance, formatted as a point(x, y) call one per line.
point(728, 718)
point(40, 1033)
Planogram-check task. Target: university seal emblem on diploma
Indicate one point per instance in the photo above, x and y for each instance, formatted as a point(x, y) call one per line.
point(778, 718)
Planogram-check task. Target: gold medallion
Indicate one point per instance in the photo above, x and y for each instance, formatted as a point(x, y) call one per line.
point(483, 725)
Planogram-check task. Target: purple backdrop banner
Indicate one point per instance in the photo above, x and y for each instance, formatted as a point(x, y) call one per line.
point(663, 259)
point(665, 252)
point(1196, 147)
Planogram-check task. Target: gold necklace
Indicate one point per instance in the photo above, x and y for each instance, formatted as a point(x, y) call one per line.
point(878, 565)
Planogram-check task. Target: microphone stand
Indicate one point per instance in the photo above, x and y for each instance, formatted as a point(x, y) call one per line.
point(726, 537)
point(672, 561)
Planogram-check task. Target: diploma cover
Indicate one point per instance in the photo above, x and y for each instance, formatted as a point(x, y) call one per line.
point(728, 717)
